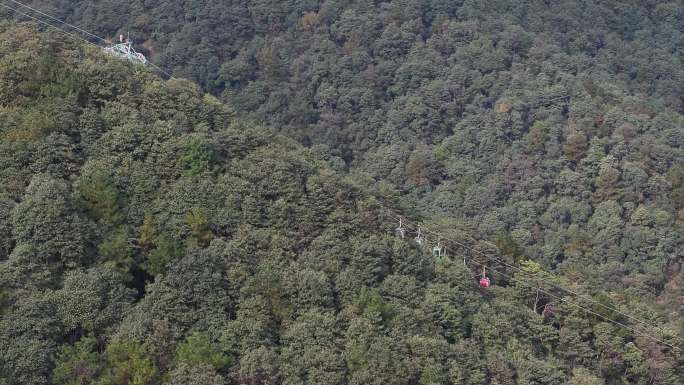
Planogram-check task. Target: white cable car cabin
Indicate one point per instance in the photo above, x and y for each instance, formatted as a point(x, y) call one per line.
point(438, 251)
point(419, 237)
point(401, 232)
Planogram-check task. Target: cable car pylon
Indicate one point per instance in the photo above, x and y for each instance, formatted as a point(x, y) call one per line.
point(124, 50)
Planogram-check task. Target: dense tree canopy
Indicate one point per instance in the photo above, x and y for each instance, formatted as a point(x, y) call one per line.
point(236, 230)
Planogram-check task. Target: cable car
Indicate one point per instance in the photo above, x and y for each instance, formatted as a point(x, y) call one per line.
point(484, 280)
point(400, 230)
point(438, 251)
point(419, 237)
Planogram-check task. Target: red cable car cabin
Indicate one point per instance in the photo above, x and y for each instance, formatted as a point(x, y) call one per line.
point(484, 281)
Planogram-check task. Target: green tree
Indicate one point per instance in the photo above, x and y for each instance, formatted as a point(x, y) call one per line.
point(100, 196)
point(582, 376)
point(29, 330)
point(197, 157)
point(198, 221)
point(115, 247)
point(370, 303)
point(676, 178)
point(575, 145)
point(509, 247)
point(504, 118)
point(197, 349)
point(77, 364)
point(166, 251)
point(93, 301)
point(372, 355)
point(47, 220)
point(259, 366)
point(310, 350)
point(148, 233)
point(538, 135)
point(195, 375)
point(127, 363)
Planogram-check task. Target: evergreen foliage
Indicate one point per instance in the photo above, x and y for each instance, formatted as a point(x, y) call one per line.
point(151, 233)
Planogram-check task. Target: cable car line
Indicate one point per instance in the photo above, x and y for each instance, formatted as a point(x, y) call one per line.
point(71, 34)
point(58, 20)
point(421, 231)
point(491, 258)
point(538, 280)
point(563, 299)
point(48, 24)
point(569, 291)
point(575, 304)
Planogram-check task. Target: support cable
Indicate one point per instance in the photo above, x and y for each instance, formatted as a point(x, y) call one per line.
point(15, 10)
point(73, 35)
point(568, 291)
point(58, 20)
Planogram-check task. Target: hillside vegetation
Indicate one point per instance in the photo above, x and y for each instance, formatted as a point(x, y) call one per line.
point(540, 120)
point(239, 231)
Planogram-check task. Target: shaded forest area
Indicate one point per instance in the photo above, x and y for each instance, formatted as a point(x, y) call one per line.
point(151, 233)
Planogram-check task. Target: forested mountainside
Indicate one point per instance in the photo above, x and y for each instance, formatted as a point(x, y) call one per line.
point(541, 120)
point(151, 233)
point(358, 75)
